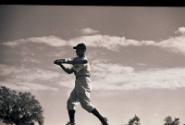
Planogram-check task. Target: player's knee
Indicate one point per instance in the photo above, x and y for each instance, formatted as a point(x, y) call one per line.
point(87, 107)
point(69, 104)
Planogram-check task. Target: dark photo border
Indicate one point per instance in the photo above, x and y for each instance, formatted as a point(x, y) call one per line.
point(96, 2)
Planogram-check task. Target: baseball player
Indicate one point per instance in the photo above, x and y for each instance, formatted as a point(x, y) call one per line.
point(82, 89)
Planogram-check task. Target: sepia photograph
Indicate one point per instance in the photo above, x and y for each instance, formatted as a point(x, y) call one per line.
point(92, 65)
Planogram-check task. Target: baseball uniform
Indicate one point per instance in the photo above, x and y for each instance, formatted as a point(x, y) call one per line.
point(82, 89)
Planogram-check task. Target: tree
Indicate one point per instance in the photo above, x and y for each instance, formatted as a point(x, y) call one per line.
point(134, 121)
point(168, 120)
point(176, 121)
point(19, 108)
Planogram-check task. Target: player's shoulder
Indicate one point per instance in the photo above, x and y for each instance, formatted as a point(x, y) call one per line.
point(74, 58)
point(80, 58)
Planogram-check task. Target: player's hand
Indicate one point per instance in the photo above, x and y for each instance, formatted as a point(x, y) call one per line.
point(57, 62)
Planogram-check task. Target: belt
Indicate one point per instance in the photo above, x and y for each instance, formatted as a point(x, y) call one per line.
point(82, 76)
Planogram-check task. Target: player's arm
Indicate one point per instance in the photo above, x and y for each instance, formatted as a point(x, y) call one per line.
point(71, 61)
point(81, 61)
point(67, 70)
point(59, 62)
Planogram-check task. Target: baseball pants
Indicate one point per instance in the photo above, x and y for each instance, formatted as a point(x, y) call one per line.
point(81, 94)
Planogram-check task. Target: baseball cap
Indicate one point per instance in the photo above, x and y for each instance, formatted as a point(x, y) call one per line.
point(80, 46)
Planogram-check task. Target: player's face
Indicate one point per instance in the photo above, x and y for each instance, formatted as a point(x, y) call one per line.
point(80, 52)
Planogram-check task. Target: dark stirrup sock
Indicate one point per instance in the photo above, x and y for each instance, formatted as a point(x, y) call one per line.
point(97, 114)
point(71, 116)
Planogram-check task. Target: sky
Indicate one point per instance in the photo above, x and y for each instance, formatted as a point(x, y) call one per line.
point(137, 58)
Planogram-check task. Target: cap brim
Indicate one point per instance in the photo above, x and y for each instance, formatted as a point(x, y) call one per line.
point(74, 47)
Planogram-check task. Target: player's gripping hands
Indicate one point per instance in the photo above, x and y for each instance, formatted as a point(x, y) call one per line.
point(60, 61)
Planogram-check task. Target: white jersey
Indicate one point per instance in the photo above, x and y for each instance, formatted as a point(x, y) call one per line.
point(81, 70)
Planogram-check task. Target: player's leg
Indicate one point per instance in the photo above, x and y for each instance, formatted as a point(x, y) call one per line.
point(71, 114)
point(99, 116)
point(71, 105)
point(87, 105)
